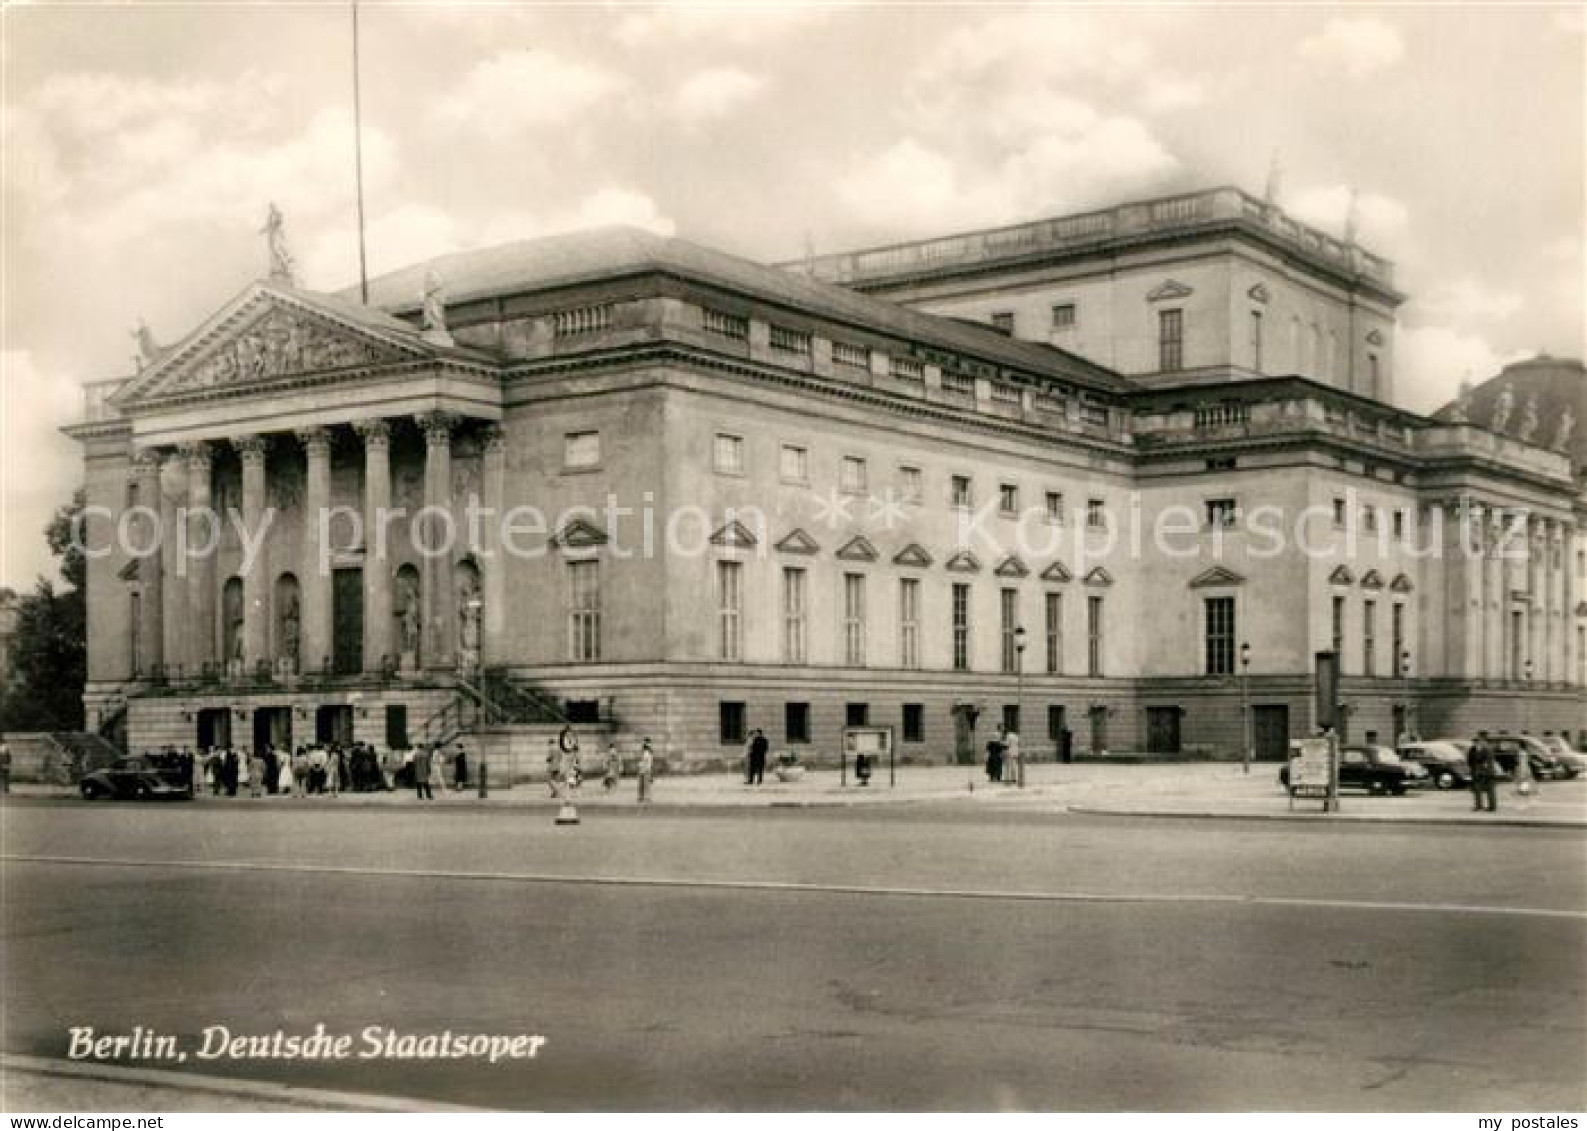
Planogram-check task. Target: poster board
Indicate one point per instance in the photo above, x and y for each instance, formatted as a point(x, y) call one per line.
point(1311, 771)
point(875, 743)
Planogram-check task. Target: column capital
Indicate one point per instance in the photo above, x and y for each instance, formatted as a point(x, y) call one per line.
point(316, 441)
point(374, 431)
point(198, 454)
point(148, 461)
point(437, 427)
point(252, 447)
point(494, 439)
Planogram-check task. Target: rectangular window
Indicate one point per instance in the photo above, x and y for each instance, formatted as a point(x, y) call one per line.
point(1170, 340)
point(1256, 340)
point(1220, 635)
point(851, 475)
point(1399, 523)
point(910, 485)
point(856, 357)
point(584, 612)
point(1055, 632)
point(959, 493)
point(909, 622)
point(726, 325)
point(1339, 628)
point(1055, 507)
point(1063, 316)
point(1397, 638)
point(784, 340)
point(729, 454)
point(1369, 642)
point(1374, 375)
point(581, 449)
point(914, 722)
point(1011, 717)
point(730, 610)
point(1056, 723)
point(1222, 514)
point(793, 615)
point(1093, 635)
point(396, 726)
point(856, 714)
point(1096, 514)
point(854, 619)
point(961, 627)
point(1008, 499)
point(796, 722)
point(730, 723)
point(1341, 512)
point(1003, 320)
point(1008, 606)
point(1369, 519)
point(794, 464)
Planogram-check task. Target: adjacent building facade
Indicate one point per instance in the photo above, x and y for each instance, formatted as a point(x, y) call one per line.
point(1121, 475)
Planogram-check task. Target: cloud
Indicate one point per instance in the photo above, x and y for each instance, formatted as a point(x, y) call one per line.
point(524, 90)
point(1358, 45)
point(738, 25)
point(1382, 222)
point(714, 93)
point(39, 466)
point(1461, 302)
point(1431, 361)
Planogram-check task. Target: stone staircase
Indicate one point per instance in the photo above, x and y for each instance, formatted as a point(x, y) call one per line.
point(58, 757)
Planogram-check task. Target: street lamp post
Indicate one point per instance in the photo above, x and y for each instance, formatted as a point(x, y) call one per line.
point(1405, 694)
point(1019, 700)
point(1526, 699)
point(1245, 705)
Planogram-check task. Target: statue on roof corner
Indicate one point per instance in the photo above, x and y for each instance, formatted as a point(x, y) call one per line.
point(274, 232)
point(1461, 412)
point(1502, 409)
point(1529, 421)
point(434, 313)
point(148, 349)
point(1562, 434)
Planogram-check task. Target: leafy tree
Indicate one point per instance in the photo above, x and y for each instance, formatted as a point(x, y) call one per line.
point(49, 651)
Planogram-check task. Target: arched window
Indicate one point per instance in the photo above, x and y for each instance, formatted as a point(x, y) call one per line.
point(288, 620)
point(407, 611)
point(231, 614)
point(470, 611)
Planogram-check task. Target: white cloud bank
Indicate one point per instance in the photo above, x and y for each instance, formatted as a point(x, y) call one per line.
point(1359, 46)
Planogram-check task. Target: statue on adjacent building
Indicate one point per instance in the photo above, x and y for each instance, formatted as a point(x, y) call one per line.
point(148, 349)
point(1529, 421)
point(1461, 412)
point(434, 312)
point(1562, 434)
point(274, 232)
point(1502, 408)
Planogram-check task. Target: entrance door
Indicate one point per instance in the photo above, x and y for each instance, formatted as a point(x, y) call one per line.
point(964, 717)
point(1270, 731)
point(334, 723)
point(1099, 730)
point(1162, 730)
point(347, 613)
point(272, 726)
point(214, 727)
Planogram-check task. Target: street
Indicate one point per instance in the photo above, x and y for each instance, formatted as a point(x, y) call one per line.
point(919, 957)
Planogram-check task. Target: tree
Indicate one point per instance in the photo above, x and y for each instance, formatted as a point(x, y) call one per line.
point(49, 651)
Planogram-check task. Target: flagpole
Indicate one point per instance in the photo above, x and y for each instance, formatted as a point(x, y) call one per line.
point(358, 163)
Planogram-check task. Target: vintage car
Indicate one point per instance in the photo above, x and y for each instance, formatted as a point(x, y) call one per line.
point(1507, 750)
point(1573, 760)
point(142, 777)
point(1444, 762)
point(1376, 769)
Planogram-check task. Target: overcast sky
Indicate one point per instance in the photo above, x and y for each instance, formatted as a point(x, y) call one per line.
point(142, 144)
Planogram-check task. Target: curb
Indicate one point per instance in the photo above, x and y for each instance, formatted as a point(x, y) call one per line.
point(1349, 818)
point(313, 1099)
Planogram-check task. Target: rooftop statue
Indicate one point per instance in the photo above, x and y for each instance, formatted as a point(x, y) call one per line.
point(1562, 434)
point(274, 232)
point(148, 349)
point(1529, 421)
point(1502, 409)
point(434, 313)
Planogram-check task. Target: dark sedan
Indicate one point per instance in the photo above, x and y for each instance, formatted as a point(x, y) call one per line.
point(142, 777)
point(1376, 769)
point(1444, 762)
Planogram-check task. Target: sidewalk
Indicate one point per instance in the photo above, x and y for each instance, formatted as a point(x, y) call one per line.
point(1197, 789)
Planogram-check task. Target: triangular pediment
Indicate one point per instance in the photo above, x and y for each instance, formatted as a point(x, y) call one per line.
point(1342, 576)
point(912, 555)
point(1057, 572)
point(1217, 575)
point(1011, 566)
point(1372, 579)
point(1168, 289)
point(579, 534)
point(735, 536)
point(1401, 584)
point(796, 541)
point(1099, 576)
point(857, 549)
point(963, 562)
point(272, 333)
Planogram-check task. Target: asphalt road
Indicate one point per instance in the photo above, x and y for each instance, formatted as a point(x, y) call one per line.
point(913, 958)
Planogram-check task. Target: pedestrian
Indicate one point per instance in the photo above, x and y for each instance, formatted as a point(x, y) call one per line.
point(553, 776)
point(1480, 763)
point(572, 768)
point(286, 780)
point(613, 768)
point(647, 767)
point(257, 772)
point(994, 760)
point(460, 768)
point(437, 777)
point(333, 771)
point(1011, 770)
point(5, 765)
point(422, 764)
point(757, 758)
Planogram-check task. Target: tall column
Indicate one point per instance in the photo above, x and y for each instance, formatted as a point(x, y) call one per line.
point(376, 435)
point(174, 647)
point(438, 585)
point(314, 575)
point(1559, 558)
point(255, 573)
point(1496, 632)
point(151, 572)
point(492, 564)
point(202, 544)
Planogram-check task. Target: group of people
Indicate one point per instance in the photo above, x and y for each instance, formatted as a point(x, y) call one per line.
point(565, 767)
point(322, 769)
point(1002, 757)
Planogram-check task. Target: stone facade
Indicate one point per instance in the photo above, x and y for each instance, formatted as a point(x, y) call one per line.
point(680, 495)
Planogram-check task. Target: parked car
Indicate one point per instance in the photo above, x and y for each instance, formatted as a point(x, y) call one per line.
point(1573, 760)
point(140, 776)
point(1507, 752)
point(1444, 762)
point(1376, 769)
